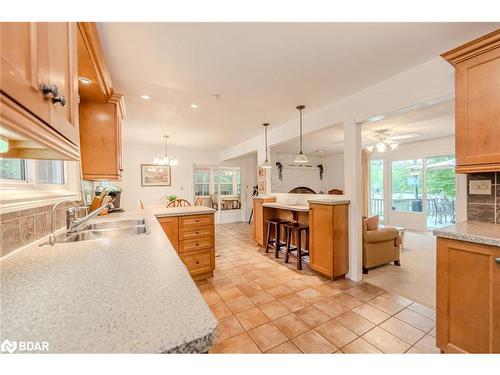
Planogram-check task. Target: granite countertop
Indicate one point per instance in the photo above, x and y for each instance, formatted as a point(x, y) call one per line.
point(471, 231)
point(286, 206)
point(330, 202)
point(119, 295)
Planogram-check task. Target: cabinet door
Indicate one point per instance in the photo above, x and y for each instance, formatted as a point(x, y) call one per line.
point(321, 232)
point(24, 65)
point(63, 73)
point(496, 304)
point(478, 110)
point(258, 232)
point(466, 300)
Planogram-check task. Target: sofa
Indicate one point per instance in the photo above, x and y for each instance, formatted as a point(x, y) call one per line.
point(380, 246)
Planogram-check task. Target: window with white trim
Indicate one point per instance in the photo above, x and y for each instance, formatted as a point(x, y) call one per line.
point(33, 172)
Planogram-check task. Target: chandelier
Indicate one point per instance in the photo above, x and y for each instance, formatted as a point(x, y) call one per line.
point(382, 142)
point(165, 160)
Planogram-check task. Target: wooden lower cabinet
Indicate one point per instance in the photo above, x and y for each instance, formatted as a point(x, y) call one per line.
point(467, 297)
point(259, 219)
point(193, 237)
point(329, 239)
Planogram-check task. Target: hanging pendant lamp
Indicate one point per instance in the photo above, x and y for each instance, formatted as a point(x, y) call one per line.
point(301, 158)
point(266, 164)
point(165, 160)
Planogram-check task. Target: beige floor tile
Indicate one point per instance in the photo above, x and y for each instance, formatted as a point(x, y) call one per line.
point(360, 346)
point(249, 287)
point(312, 316)
point(364, 292)
point(239, 304)
point(211, 297)
point(311, 295)
point(203, 287)
point(252, 318)
point(238, 344)
point(433, 332)
point(385, 341)
point(267, 336)
point(336, 333)
point(285, 348)
point(294, 302)
point(423, 310)
point(279, 291)
point(221, 283)
point(229, 327)
point(387, 303)
point(274, 309)
point(355, 322)
point(266, 282)
point(327, 290)
point(260, 297)
point(313, 342)
point(230, 293)
point(427, 345)
point(371, 313)
point(220, 310)
point(346, 300)
point(295, 284)
point(402, 330)
point(416, 320)
point(343, 284)
point(330, 307)
point(291, 325)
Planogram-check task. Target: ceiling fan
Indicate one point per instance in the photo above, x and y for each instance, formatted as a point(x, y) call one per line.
point(381, 140)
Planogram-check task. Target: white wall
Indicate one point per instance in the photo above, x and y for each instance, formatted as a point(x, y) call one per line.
point(334, 172)
point(182, 175)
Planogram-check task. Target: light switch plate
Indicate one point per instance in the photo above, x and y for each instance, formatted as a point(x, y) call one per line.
point(480, 187)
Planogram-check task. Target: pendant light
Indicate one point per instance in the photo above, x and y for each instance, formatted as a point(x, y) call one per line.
point(301, 158)
point(165, 160)
point(266, 164)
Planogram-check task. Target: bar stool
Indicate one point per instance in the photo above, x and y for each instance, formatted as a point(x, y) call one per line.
point(275, 242)
point(297, 228)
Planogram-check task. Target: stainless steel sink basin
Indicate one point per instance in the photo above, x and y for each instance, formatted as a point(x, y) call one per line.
point(114, 224)
point(106, 229)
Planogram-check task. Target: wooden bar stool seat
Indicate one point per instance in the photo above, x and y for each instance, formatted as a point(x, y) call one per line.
point(275, 242)
point(296, 228)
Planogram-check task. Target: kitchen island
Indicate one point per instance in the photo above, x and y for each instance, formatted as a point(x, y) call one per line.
point(130, 294)
point(327, 219)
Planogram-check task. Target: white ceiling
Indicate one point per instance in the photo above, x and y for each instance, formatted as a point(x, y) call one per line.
point(429, 122)
point(260, 70)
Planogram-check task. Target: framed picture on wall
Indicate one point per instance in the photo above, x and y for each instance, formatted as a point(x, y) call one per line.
point(155, 175)
point(261, 172)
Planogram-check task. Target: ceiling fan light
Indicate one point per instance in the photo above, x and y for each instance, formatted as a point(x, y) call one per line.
point(301, 159)
point(381, 147)
point(370, 148)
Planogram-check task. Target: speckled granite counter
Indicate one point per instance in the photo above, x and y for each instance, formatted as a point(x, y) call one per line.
point(285, 206)
point(471, 231)
point(122, 295)
point(329, 202)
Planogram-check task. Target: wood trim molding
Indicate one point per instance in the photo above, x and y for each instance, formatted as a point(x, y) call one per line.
point(476, 47)
point(119, 100)
point(23, 123)
point(88, 31)
point(477, 168)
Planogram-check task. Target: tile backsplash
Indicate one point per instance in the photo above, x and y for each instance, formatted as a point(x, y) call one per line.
point(484, 207)
point(20, 228)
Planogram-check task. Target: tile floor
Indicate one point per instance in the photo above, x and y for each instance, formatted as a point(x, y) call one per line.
point(265, 306)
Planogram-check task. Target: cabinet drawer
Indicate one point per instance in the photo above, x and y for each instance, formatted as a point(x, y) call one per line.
point(195, 221)
point(198, 261)
point(196, 244)
point(196, 232)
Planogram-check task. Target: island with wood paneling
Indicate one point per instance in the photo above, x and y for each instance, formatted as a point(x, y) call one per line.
point(327, 217)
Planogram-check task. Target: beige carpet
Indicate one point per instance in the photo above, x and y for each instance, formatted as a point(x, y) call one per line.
point(416, 278)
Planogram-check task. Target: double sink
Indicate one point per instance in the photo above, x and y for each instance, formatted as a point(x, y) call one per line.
point(106, 229)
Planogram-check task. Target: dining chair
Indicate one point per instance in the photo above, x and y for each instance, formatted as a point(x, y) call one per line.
point(198, 202)
point(179, 203)
point(141, 204)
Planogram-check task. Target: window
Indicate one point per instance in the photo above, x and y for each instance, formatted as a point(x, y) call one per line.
point(226, 182)
point(407, 185)
point(377, 188)
point(50, 172)
point(202, 182)
point(12, 169)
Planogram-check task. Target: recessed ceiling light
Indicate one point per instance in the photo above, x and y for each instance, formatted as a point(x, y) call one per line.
point(85, 80)
point(145, 97)
point(320, 151)
point(194, 105)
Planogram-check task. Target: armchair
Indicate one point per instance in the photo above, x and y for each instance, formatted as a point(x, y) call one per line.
point(380, 246)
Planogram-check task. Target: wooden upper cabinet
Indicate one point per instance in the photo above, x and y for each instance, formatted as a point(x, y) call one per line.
point(101, 110)
point(36, 57)
point(477, 104)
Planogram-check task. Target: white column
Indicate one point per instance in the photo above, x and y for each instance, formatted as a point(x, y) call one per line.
point(352, 176)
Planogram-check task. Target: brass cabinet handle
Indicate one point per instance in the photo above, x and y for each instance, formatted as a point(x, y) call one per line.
point(59, 99)
point(49, 90)
point(197, 244)
point(197, 262)
point(497, 260)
